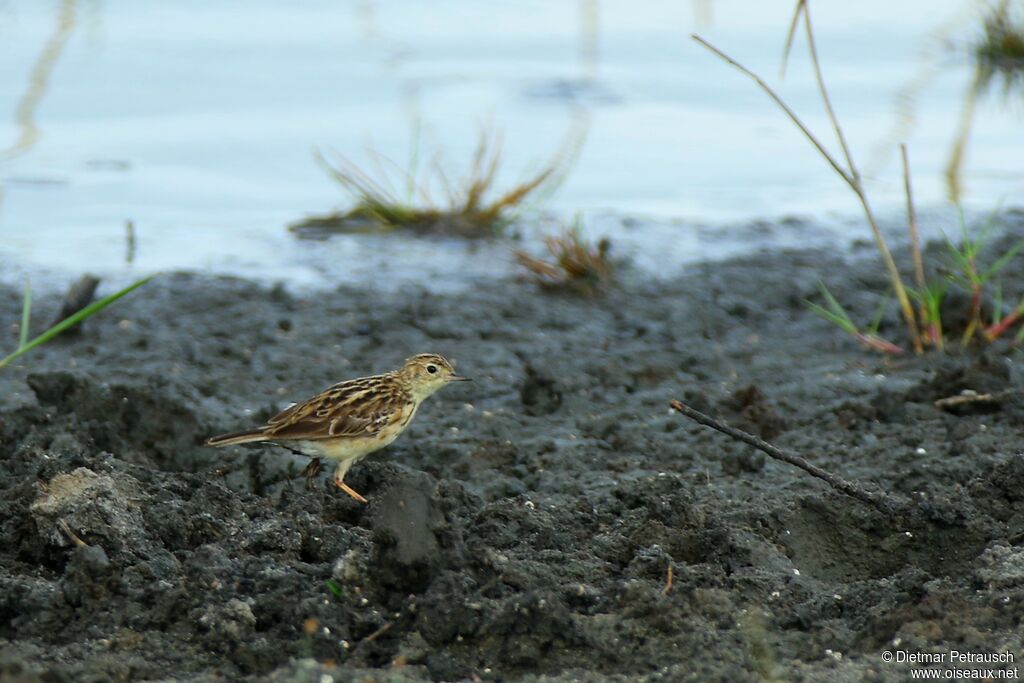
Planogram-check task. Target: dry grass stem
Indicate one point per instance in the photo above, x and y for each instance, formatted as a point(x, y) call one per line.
point(915, 240)
point(850, 175)
point(969, 398)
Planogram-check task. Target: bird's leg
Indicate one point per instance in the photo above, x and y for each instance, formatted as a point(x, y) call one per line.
point(312, 469)
point(339, 474)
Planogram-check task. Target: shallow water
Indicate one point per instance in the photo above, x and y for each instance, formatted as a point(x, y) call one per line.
point(198, 122)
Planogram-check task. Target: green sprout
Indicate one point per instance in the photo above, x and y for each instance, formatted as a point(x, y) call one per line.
point(844, 166)
point(834, 312)
point(335, 589)
point(930, 298)
point(974, 278)
point(924, 326)
point(26, 315)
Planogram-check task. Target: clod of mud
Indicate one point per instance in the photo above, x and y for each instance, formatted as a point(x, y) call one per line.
point(85, 505)
point(412, 538)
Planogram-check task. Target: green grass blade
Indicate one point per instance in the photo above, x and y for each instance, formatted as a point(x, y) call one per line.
point(73, 320)
point(1003, 260)
point(335, 589)
point(26, 315)
point(876, 322)
point(834, 312)
point(963, 262)
point(834, 306)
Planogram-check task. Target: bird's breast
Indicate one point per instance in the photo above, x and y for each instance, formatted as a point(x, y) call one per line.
point(398, 424)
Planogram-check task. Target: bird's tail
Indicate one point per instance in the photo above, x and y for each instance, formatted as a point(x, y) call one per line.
point(248, 436)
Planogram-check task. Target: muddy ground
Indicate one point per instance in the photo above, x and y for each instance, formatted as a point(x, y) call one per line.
point(526, 524)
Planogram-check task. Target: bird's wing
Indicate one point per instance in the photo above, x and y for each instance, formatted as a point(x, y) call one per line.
point(356, 408)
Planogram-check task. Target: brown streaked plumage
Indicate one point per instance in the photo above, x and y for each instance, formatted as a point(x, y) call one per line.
point(351, 419)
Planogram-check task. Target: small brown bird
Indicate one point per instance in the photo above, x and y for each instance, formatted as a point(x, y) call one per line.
point(351, 419)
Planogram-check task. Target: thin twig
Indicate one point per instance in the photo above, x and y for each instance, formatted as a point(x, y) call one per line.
point(883, 248)
point(820, 78)
point(915, 241)
point(971, 398)
point(894, 274)
point(880, 501)
point(379, 632)
point(782, 104)
point(790, 35)
point(72, 536)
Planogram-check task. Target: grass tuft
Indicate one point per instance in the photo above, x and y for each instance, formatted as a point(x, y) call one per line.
point(476, 208)
point(834, 312)
point(1005, 50)
point(974, 278)
point(845, 168)
point(578, 266)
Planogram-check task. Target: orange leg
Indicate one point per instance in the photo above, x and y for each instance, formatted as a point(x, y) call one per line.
point(339, 474)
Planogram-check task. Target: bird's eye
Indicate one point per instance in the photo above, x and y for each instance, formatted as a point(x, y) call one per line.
point(432, 369)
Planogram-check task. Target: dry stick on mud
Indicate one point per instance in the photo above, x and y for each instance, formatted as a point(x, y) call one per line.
point(880, 501)
point(80, 294)
point(849, 175)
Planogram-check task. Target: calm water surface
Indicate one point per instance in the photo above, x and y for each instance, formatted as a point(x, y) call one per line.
point(198, 121)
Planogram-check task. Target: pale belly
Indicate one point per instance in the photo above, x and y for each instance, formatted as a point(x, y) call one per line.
point(341, 450)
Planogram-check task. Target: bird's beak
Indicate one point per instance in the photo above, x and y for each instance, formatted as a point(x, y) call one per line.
point(458, 378)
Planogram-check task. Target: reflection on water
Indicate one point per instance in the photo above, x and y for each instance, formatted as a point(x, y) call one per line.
point(998, 55)
point(589, 40)
point(38, 80)
point(992, 51)
point(703, 14)
point(196, 120)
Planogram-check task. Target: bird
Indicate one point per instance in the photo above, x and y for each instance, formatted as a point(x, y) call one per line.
point(351, 419)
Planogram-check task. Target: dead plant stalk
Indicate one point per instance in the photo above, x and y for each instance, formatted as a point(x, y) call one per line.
point(850, 175)
point(882, 502)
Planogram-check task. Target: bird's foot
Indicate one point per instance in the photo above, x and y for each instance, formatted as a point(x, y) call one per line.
point(350, 491)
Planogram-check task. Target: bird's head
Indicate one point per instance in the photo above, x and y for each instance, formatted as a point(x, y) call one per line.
point(428, 372)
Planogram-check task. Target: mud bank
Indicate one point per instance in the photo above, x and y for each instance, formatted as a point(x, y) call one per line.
point(527, 524)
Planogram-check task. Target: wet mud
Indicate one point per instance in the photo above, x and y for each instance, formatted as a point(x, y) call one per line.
point(553, 520)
